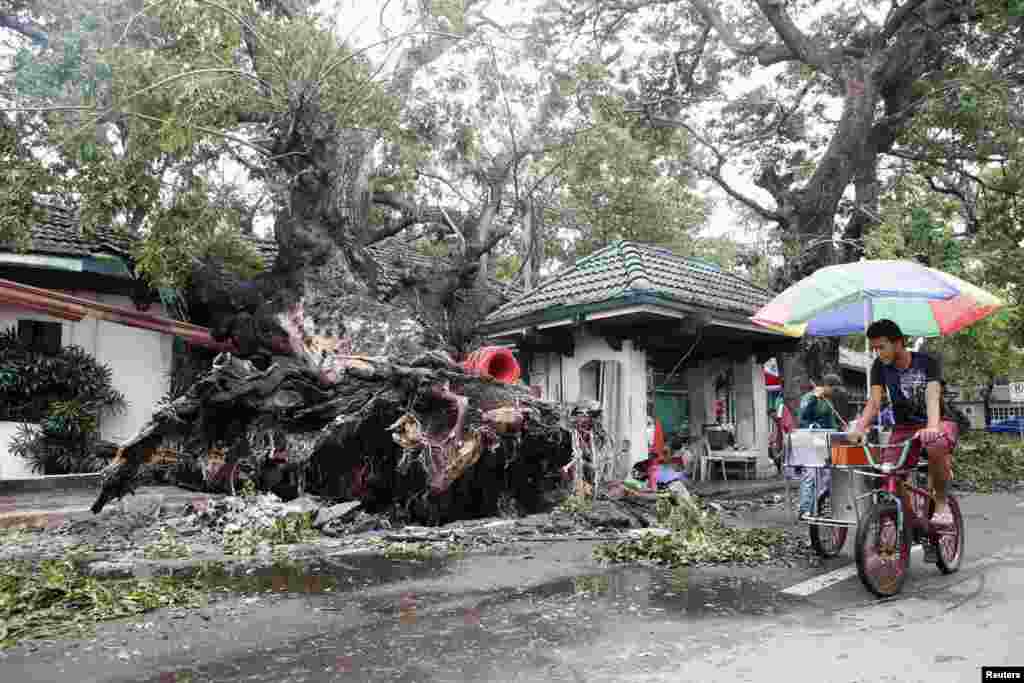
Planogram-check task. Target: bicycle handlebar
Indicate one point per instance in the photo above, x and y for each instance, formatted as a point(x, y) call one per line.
point(889, 467)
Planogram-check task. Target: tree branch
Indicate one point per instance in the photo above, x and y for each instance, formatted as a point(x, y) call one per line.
point(966, 202)
point(765, 53)
point(447, 183)
point(204, 129)
point(715, 173)
point(698, 52)
point(805, 49)
point(945, 165)
point(475, 251)
point(411, 214)
point(25, 27)
point(897, 17)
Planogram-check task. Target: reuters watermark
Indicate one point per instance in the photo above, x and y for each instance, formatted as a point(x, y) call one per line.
point(1002, 673)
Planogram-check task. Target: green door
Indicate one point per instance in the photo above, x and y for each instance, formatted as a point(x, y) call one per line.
point(673, 410)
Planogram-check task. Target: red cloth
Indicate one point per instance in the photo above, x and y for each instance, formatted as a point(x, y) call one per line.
point(787, 421)
point(656, 452)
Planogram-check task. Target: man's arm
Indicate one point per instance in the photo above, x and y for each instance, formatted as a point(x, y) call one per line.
point(871, 409)
point(874, 403)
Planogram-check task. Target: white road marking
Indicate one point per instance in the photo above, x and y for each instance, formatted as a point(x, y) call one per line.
point(819, 583)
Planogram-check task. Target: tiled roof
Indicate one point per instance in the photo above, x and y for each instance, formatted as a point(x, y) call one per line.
point(59, 234)
point(625, 268)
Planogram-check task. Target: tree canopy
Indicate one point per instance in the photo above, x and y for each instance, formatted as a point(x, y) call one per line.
point(510, 140)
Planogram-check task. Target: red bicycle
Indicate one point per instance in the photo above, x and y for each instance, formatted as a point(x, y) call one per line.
point(886, 532)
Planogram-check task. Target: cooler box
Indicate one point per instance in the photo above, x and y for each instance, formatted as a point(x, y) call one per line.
point(846, 454)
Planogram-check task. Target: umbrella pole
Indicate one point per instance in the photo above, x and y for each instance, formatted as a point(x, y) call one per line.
point(867, 370)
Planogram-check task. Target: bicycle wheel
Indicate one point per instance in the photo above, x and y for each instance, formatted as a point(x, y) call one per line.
point(950, 549)
point(882, 563)
point(827, 541)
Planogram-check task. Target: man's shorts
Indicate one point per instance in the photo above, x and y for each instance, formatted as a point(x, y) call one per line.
point(938, 448)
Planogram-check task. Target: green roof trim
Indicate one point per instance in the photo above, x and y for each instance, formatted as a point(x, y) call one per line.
point(70, 264)
point(107, 264)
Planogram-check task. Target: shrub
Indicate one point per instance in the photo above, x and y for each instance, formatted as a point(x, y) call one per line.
point(988, 462)
point(65, 393)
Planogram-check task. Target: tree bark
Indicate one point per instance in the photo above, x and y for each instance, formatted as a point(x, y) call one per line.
point(425, 441)
point(533, 247)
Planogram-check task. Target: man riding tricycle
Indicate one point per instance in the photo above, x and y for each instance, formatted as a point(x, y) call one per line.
point(877, 484)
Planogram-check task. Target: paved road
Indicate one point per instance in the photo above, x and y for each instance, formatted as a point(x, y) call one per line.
point(549, 613)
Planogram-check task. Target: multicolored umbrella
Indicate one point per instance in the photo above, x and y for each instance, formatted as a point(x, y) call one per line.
point(847, 298)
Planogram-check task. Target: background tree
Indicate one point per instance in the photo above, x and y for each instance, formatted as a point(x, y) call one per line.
point(803, 102)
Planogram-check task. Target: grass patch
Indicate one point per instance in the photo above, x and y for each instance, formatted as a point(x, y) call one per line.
point(54, 600)
point(696, 536)
point(987, 462)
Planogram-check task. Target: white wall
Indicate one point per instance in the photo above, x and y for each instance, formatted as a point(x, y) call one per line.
point(140, 360)
point(559, 379)
point(11, 467)
point(141, 363)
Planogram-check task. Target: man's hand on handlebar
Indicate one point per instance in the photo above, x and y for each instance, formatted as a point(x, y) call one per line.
point(856, 438)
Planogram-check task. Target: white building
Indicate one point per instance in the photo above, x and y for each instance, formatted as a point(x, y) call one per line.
point(96, 268)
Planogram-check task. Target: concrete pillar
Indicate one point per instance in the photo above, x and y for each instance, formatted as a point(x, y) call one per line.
point(751, 406)
point(700, 387)
point(634, 400)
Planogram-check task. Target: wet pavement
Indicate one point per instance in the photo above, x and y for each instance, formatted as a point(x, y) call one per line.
point(549, 612)
point(489, 635)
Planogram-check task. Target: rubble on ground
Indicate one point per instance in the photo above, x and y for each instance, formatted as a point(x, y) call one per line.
point(257, 526)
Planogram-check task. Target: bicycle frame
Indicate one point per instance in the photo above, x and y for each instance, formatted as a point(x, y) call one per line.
point(892, 475)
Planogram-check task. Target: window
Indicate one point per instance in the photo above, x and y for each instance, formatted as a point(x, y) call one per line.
point(40, 335)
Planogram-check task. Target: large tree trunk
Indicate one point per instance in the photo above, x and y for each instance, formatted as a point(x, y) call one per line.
point(807, 214)
point(426, 441)
point(800, 371)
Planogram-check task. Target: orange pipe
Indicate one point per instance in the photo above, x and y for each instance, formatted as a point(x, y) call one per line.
point(73, 308)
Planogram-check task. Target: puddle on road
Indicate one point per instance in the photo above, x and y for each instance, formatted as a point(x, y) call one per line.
point(327, 576)
point(679, 591)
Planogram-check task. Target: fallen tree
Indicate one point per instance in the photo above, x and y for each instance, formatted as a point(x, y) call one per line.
point(425, 442)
